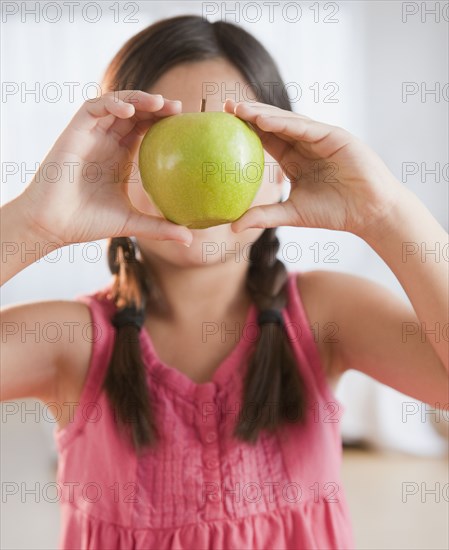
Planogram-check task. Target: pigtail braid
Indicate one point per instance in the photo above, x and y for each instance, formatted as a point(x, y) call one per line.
point(272, 384)
point(125, 382)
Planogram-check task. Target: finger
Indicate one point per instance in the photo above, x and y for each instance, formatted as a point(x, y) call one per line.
point(278, 145)
point(284, 124)
point(169, 108)
point(293, 127)
point(135, 135)
point(265, 216)
point(123, 104)
point(106, 123)
point(157, 228)
point(142, 101)
point(230, 106)
point(315, 137)
point(254, 107)
point(94, 110)
point(142, 120)
point(258, 113)
point(282, 152)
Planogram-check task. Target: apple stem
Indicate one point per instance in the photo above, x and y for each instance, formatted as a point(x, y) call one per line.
point(203, 105)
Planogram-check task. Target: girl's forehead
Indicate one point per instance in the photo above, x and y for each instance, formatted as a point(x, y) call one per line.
point(213, 79)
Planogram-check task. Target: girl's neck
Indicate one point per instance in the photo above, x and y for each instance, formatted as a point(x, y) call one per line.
point(214, 291)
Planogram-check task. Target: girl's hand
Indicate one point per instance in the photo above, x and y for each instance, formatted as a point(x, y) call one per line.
point(79, 193)
point(337, 182)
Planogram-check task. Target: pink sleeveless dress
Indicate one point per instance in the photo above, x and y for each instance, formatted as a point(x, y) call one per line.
point(201, 488)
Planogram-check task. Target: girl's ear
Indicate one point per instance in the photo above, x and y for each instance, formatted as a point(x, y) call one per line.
point(278, 174)
point(279, 179)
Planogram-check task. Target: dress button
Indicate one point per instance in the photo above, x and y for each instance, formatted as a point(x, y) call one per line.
point(205, 394)
point(211, 437)
point(212, 464)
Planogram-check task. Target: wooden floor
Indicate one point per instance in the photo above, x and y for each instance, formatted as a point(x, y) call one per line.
point(397, 501)
point(379, 487)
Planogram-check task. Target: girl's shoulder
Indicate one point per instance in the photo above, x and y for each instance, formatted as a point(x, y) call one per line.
point(315, 293)
point(44, 344)
point(324, 292)
point(325, 296)
point(89, 316)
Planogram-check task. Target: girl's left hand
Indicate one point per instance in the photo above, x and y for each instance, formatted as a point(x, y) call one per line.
point(337, 182)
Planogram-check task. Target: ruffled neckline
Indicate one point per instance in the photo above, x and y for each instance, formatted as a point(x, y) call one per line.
point(183, 384)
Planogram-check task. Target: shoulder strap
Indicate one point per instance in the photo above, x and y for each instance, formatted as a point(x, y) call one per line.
point(101, 334)
point(303, 342)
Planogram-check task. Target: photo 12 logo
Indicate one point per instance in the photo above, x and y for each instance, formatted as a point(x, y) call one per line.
point(425, 12)
point(435, 172)
point(425, 92)
point(272, 12)
point(69, 12)
point(425, 492)
point(318, 92)
point(49, 92)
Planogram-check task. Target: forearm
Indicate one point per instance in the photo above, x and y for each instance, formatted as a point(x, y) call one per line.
point(416, 248)
point(21, 242)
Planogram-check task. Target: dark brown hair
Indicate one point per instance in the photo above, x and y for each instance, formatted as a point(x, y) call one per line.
point(272, 381)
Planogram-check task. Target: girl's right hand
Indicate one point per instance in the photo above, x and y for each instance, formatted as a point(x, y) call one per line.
point(79, 193)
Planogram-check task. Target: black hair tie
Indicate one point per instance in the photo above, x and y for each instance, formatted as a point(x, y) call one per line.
point(270, 316)
point(129, 315)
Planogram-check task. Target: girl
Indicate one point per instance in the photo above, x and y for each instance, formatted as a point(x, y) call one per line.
point(173, 434)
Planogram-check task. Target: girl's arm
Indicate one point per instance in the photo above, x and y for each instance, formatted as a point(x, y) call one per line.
point(380, 335)
point(32, 365)
point(343, 185)
point(22, 241)
point(416, 248)
point(363, 326)
point(105, 132)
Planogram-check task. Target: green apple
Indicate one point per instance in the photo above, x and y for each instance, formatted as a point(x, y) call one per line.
point(201, 169)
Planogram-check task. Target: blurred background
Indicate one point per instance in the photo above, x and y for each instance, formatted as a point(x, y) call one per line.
point(378, 69)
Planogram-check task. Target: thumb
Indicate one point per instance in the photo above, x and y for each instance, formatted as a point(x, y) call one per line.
point(266, 216)
point(157, 228)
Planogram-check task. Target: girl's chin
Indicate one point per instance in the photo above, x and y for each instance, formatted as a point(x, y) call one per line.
point(199, 254)
point(208, 247)
point(214, 230)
